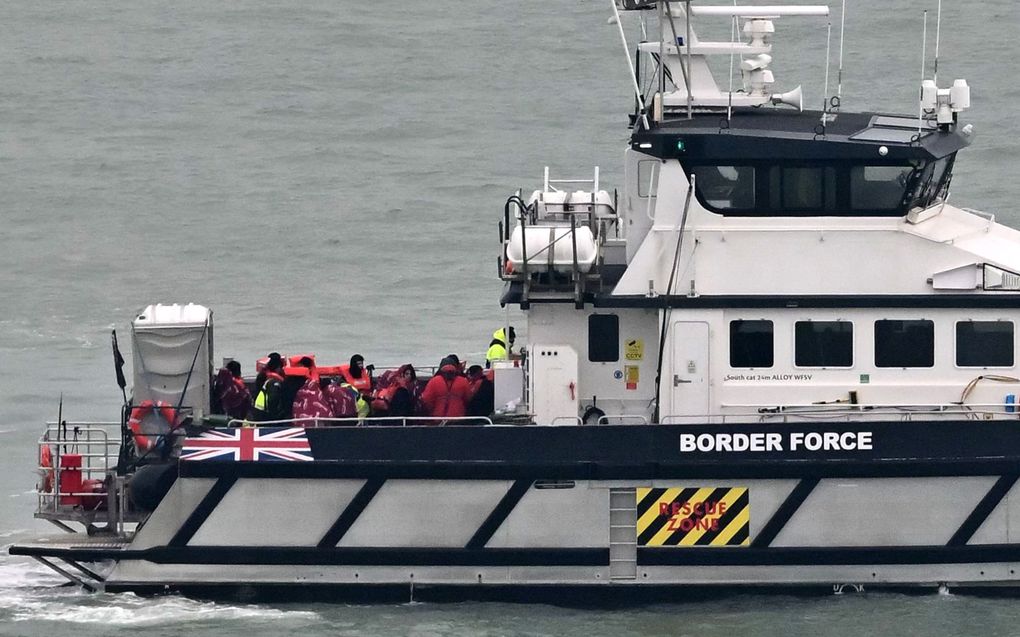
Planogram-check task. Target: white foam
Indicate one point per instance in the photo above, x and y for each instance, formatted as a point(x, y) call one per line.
point(130, 610)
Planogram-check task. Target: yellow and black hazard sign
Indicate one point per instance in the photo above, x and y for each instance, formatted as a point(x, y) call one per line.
point(705, 516)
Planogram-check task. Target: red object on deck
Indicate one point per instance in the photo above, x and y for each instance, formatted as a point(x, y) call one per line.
point(70, 478)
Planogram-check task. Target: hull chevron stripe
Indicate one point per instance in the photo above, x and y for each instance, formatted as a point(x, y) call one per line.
point(499, 514)
point(350, 514)
point(202, 511)
point(785, 511)
point(983, 509)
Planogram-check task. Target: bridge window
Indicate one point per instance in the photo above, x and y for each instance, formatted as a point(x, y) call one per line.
point(603, 338)
point(880, 187)
point(904, 343)
point(802, 188)
point(725, 187)
point(751, 344)
point(824, 344)
point(984, 344)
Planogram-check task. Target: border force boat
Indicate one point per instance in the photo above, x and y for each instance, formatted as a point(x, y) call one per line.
point(777, 356)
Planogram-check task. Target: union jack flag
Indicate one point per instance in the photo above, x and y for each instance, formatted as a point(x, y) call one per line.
point(249, 444)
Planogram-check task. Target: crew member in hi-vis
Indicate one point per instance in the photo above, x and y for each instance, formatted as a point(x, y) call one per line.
point(705, 516)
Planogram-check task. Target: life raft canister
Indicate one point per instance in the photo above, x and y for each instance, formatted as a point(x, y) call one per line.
point(142, 441)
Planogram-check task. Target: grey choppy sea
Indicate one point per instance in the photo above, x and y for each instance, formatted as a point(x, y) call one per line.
point(328, 177)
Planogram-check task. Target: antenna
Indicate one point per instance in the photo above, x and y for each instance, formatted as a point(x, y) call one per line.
point(920, 99)
point(630, 64)
point(938, 37)
point(842, 26)
point(825, 94)
point(733, 38)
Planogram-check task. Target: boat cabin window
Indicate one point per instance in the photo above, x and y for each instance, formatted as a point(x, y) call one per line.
point(826, 187)
point(824, 344)
point(908, 343)
point(725, 187)
point(984, 344)
point(751, 344)
point(603, 338)
point(802, 188)
point(880, 187)
point(647, 177)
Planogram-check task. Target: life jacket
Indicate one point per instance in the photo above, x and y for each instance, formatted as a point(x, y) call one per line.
point(267, 402)
point(363, 407)
point(362, 384)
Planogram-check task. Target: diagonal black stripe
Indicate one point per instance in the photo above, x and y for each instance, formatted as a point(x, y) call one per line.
point(351, 512)
point(741, 536)
point(645, 536)
point(983, 509)
point(649, 500)
point(784, 512)
point(739, 505)
point(717, 494)
point(202, 512)
point(499, 514)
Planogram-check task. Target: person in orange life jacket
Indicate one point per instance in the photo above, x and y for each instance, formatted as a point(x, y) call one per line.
point(310, 402)
point(231, 393)
point(446, 394)
point(274, 363)
point(357, 375)
point(482, 397)
point(398, 395)
point(269, 402)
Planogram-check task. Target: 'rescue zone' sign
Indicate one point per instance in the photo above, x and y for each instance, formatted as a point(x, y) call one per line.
point(705, 516)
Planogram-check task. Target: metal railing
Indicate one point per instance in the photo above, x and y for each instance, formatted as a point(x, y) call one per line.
point(375, 421)
point(95, 447)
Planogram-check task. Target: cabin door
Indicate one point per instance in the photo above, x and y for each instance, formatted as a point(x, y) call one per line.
point(689, 380)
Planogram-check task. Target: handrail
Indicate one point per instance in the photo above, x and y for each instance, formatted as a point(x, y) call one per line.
point(358, 422)
point(640, 418)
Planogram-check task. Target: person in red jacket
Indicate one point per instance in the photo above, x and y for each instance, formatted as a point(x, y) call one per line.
point(231, 392)
point(310, 402)
point(447, 394)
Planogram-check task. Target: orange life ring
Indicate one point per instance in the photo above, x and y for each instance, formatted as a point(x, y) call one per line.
point(138, 414)
point(46, 462)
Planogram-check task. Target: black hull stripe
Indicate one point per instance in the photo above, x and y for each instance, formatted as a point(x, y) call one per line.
point(202, 512)
point(351, 513)
point(469, 470)
point(713, 556)
point(499, 514)
point(823, 556)
point(983, 509)
point(785, 511)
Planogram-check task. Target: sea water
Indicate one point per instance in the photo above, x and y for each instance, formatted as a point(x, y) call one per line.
point(328, 176)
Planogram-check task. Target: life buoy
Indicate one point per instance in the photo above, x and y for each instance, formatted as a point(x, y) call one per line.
point(46, 462)
point(138, 414)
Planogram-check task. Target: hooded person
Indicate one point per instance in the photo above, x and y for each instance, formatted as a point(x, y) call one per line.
point(357, 375)
point(310, 402)
point(269, 402)
point(399, 395)
point(499, 347)
point(447, 393)
point(231, 393)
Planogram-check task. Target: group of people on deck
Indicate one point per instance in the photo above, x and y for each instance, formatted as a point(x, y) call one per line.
point(296, 389)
